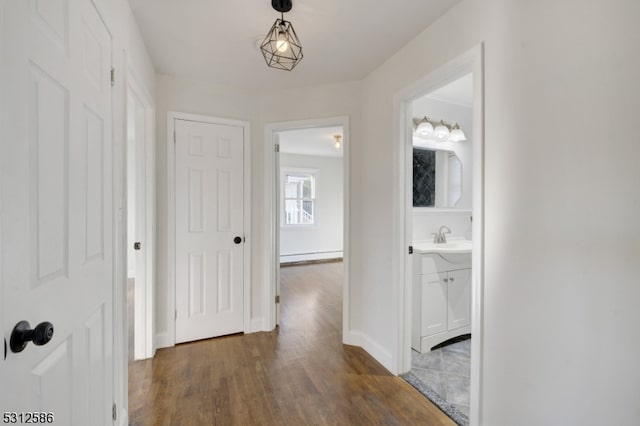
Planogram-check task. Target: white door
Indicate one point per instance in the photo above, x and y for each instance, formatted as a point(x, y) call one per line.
point(209, 230)
point(56, 209)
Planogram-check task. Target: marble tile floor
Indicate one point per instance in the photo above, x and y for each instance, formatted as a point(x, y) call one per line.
point(443, 376)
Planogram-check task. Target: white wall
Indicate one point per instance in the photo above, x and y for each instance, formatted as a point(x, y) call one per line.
point(426, 222)
point(259, 108)
point(323, 240)
point(562, 240)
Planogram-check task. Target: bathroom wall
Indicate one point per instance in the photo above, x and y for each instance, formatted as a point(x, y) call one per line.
point(425, 223)
point(323, 240)
point(427, 220)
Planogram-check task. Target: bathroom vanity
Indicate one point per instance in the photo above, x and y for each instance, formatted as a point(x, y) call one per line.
point(441, 293)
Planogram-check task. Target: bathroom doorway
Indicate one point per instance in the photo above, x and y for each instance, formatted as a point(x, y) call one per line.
point(441, 163)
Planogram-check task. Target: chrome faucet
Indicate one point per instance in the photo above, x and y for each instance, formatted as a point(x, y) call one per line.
point(440, 237)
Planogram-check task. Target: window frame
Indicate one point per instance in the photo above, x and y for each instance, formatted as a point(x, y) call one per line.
point(284, 171)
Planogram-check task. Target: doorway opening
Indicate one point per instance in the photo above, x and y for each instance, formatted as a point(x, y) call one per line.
point(310, 197)
point(441, 213)
point(306, 183)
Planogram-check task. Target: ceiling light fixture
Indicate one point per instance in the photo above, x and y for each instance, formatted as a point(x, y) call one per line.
point(281, 47)
point(442, 131)
point(337, 143)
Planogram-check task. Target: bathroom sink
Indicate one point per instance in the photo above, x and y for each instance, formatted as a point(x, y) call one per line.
point(452, 246)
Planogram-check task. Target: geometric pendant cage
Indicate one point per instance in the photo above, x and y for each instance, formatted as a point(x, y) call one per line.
point(281, 46)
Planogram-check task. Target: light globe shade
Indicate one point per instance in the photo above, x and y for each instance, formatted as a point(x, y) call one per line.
point(457, 135)
point(441, 131)
point(424, 127)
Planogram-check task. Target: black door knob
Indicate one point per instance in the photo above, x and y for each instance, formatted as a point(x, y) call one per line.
point(237, 240)
point(23, 334)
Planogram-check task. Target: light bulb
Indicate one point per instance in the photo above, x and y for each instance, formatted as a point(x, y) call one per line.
point(282, 44)
point(337, 144)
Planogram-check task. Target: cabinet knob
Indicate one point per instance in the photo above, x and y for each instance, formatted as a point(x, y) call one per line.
point(446, 280)
point(451, 279)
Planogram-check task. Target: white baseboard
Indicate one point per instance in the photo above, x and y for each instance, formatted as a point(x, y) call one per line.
point(163, 340)
point(303, 257)
point(257, 324)
point(358, 338)
point(123, 418)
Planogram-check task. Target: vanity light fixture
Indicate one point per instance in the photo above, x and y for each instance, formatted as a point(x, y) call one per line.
point(337, 142)
point(442, 131)
point(281, 46)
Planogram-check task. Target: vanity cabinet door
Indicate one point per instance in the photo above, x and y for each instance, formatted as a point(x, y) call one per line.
point(459, 297)
point(434, 303)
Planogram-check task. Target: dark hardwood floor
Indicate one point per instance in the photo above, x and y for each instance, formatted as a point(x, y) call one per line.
point(300, 374)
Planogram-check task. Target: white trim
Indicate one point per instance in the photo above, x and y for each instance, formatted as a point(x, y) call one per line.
point(303, 257)
point(271, 206)
point(471, 61)
point(168, 338)
point(145, 308)
point(358, 338)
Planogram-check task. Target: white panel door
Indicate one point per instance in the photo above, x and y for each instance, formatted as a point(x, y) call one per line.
point(56, 208)
point(209, 216)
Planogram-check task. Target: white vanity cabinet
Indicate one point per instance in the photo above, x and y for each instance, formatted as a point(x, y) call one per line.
point(441, 299)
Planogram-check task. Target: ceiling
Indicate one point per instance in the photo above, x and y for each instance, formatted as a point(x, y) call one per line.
point(458, 92)
point(217, 40)
point(313, 141)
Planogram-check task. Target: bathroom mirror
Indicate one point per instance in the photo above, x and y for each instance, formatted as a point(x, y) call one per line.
point(437, 178)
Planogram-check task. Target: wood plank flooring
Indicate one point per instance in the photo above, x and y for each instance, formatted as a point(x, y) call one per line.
point(300, 374)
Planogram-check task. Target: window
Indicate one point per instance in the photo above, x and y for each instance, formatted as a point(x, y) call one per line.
point(299, 197)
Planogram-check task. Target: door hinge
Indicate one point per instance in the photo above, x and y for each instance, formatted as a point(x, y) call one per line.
point(175, 316)
point(276, 147)
point(278, 299)
point(113, 76)
point(410, 249)
point(114, 412)
point(174, 136)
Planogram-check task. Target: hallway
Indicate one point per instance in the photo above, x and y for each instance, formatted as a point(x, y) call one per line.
point(299, 374)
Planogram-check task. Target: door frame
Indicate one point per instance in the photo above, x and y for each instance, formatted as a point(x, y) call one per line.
point(145, 306)
point(471, 61)
point(272, 207)
point(169, 338)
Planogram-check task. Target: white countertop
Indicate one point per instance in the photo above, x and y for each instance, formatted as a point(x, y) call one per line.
point(452, 245)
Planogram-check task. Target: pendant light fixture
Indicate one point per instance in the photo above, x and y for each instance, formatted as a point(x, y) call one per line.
point(281, 47)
